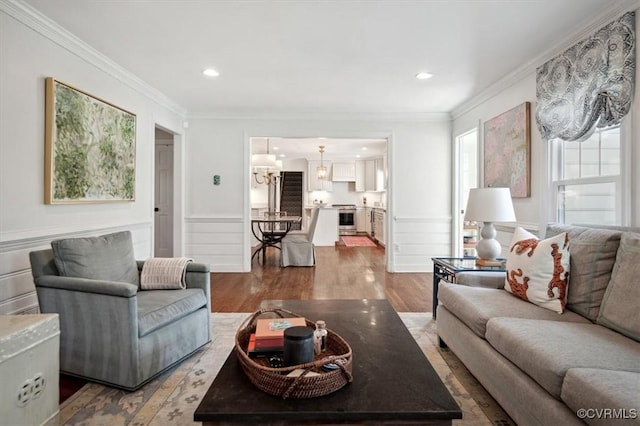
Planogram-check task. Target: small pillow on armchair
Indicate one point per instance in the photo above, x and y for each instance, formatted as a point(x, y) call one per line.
point(538, 270)
point(108, 257)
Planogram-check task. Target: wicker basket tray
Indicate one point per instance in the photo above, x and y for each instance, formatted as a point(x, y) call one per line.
point(274, 381)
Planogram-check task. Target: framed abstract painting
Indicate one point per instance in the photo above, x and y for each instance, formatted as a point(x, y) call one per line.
point(90, 148)
point(507, 151)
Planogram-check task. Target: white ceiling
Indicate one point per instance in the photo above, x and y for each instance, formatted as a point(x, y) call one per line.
point(316, 57)
point(309, 148)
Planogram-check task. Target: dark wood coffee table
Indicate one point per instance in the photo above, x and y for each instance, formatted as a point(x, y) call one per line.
point(393, 382)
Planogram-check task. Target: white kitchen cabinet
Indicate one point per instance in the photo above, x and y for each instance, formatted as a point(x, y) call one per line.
point(380, 179)
point(315, 184)
point(377, 226)
point(326, 232)
point(375, 175)
point(343, 171)
point(360, 175)
point(368, 224)
point(361, 219)
point(370, 175)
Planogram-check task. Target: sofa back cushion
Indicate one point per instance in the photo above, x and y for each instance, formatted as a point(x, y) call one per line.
point(108, 257)
point(620, 309)
point(593, 254)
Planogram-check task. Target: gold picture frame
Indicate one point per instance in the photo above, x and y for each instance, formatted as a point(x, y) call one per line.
point(90, 148)
point(507, 151)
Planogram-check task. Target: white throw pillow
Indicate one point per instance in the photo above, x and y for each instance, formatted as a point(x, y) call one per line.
point(538, 270)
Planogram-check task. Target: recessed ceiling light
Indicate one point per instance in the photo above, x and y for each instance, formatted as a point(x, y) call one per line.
point(276, 148)
point(357, 155)
point(282, 155)
point(364, 148)
point(210, 72)
point(424, 75)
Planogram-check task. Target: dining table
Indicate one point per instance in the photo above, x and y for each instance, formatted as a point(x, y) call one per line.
point(269, 230)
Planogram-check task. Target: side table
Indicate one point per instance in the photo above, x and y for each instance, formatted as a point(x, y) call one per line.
point(29, 368)
point(447, 267)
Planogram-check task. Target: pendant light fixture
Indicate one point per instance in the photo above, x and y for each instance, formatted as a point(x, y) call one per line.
point(263, 161)
point(321, 170)
point(271, 166)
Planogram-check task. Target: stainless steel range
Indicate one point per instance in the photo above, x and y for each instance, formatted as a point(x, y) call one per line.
point(346, 219)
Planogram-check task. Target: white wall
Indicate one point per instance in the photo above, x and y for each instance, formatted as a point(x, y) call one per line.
point(30, 51)
point(533, 213)
point(527, 209)
point(418, 197)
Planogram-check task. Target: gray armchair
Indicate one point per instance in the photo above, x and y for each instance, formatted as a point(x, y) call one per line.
point(113, 332)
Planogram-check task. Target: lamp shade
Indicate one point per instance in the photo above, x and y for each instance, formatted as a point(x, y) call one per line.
point(490, 205)
point(263, 161)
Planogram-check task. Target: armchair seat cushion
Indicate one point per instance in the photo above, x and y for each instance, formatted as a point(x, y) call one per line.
point(157, 308)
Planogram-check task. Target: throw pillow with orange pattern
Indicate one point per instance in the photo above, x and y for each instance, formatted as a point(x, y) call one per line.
point(538, 270)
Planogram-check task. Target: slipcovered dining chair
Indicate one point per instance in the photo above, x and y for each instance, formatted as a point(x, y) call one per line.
point(112, 329)
point(297, 246)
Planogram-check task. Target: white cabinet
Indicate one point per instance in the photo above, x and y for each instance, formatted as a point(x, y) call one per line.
point(326, 232)
point(370, 175)
point(374, 175)
point(379, 217)
point(380, 179)
point(368, 223)
point(360, 175)
point(361, 219)
point(315, 184)
point(343, 171)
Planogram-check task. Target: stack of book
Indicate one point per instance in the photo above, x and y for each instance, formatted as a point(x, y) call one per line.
point(268, 339)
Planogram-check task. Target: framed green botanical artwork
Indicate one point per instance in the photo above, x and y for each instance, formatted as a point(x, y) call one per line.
point(90, 148)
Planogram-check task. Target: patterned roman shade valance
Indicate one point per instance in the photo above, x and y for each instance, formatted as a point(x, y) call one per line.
point(589, 85)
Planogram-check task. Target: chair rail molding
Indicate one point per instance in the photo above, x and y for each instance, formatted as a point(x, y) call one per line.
point(17, 291)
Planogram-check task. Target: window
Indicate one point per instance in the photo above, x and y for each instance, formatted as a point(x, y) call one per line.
point(587, 179)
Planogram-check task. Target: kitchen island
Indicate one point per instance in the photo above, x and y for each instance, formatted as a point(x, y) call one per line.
point(326, 233)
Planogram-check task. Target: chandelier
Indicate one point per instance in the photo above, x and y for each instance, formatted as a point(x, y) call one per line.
point(321, 170)
point(269, 165)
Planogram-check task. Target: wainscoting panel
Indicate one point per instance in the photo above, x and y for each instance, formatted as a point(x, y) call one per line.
point(216, 241)
point(17, 292)
point(417, 240)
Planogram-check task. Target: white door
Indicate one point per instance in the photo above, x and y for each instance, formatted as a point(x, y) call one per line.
point(466, 177)
point(163, 217)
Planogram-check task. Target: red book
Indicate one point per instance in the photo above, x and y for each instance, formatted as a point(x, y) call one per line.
point(275, 342)
point(252, 343)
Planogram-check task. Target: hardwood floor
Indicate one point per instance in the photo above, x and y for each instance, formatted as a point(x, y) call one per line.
point(340, 273)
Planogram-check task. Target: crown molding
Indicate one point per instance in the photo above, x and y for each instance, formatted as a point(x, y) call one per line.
point(617, 9)
point(32, 18)
point(324, 116)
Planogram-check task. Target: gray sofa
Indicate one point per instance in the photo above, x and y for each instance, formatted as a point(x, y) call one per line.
point(111, 331)
point(545, 368)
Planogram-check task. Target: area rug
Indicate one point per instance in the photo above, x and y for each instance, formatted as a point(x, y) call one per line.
point(350, 241)
point(172, 398)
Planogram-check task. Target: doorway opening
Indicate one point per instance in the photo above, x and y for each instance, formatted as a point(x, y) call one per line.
point(466, 176)
point(354, 175)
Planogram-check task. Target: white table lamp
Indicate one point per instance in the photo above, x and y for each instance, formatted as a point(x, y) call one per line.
point(489, 205)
